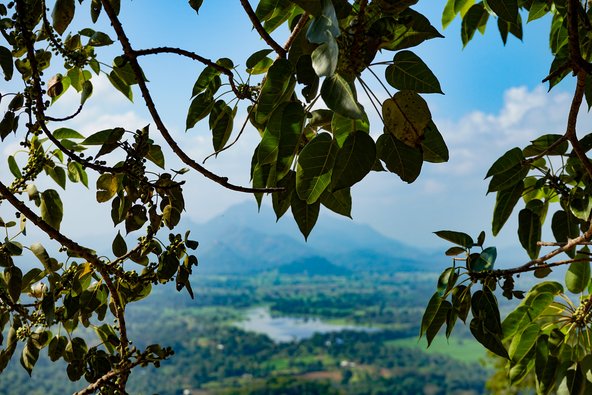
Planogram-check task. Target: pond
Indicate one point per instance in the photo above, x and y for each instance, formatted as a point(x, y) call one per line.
point(285, 329)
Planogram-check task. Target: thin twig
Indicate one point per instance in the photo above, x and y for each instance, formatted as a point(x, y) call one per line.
point(538, 262)
point(199, 58)
point(560, 244)
point(261, 30)
point(78, 111)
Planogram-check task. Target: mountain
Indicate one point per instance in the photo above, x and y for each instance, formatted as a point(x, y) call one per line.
point(244, 240)
point(313, 266)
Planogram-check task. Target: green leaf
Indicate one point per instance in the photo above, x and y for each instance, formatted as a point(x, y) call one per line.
point(118, 246)
point(100, 39)
point(529, 232)
point(29, 356)
point(13, 276)
point(62, 15)
point(281, 200)
point(485, 261)
point(49, 263)
point(446, 281)
point(339, 202)
point(505, 9)
point(288, 126)
point(305, 215)
point(459, 238)
point(409, 29)
point(324, 58)
point(104, 137)
point(438, 321)
point(430, 312)
point(409, 72)
point(433, 145)
point(52, 210)
point(342, 126)
point(259, 62)
point(6, 63)
point(13, 166)
point(406, 116)
point(221, 123)
point(523, 342)
point(58, 174)
point(339, 97)
point(448, 14)
point(399, 158)
point(200, 107)
point(544, 143)
point(155, 155)
point(56, 347)
point(565, 226)
point(454, 251)
point(475, 19)
point(107, 186)
point(577, 276)
point(119, 84)
point(354, 160)
point(580, 204)
point(207, 78)
point(315, 166)
point(278, 81)
point(546, 366)
point(505, 201)
point(508, 178)
point(66, 133)
point(195, 4)
point(538, 9)
point(281, 136)
point(507, 161)
point(490, 340)
point(76, 173)
point(324, 25)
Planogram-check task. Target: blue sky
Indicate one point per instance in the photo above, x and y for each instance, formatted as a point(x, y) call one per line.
point(493, 101)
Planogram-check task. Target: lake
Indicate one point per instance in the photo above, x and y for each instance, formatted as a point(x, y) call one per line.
point(286, 329)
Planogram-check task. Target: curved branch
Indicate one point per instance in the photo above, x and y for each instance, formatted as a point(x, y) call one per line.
point(130, 54)
point(539, 262)
point(261, 30)
point(199, 58)
point(47, 117)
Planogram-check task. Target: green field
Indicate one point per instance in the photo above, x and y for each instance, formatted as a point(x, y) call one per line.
point(464, 350)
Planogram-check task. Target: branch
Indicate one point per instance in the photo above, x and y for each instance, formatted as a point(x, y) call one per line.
point(261, 30)
point(106, 378)
point(541, 262)
point(194, 56)
point(299, 26)
point(560, 244)
point(66, 118)
point(130, 53)
point(572, 118)
point(573, 37)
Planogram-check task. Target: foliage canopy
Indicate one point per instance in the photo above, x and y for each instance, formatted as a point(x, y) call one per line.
point(303, 98)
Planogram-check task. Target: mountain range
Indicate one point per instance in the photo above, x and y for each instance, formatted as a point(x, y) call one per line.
point(247, 240)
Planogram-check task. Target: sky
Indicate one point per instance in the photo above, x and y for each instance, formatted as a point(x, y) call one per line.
point(494, 100)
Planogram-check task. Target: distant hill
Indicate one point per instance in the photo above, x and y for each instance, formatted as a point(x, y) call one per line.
point(313, 266)
point(243, 240)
